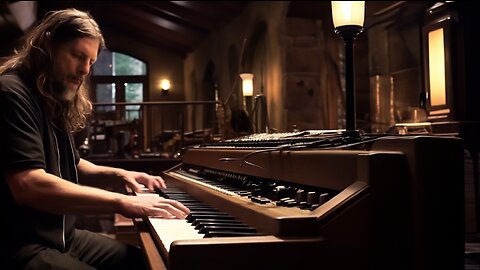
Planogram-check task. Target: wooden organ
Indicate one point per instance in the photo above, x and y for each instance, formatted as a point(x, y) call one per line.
point(321, 201)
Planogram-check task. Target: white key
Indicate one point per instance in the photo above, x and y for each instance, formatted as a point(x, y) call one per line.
point(169, 230)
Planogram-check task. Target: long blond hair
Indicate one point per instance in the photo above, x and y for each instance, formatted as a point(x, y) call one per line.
point(36, 59)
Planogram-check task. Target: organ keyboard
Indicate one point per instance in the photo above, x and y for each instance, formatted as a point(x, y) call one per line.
point(377, 204)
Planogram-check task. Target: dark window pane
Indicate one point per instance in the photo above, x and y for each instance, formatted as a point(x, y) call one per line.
point(105, 94)
point(133, 93)
point(104, 64)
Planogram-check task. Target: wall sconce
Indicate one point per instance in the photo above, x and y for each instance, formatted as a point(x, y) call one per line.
point(437, 35)
point(348, 18)
point(165, 86)
point(247, 90)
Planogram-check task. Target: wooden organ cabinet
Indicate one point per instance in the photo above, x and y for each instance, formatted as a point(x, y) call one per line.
point(314, 200)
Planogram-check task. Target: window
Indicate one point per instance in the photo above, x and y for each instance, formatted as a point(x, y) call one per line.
point(119, 77)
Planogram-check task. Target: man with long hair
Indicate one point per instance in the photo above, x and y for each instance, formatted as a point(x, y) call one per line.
point(43, 100)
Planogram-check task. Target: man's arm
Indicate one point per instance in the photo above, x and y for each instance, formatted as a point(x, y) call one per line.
point(102, 176)
point(40, 190)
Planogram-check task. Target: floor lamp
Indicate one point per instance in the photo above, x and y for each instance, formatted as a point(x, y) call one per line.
point(348, 17)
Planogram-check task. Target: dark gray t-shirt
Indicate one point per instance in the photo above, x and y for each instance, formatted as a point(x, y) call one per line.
point(28, 140)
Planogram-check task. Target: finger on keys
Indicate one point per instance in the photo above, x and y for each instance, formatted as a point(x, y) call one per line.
point(145, 189)
point(136, 186)
point(180, 206)
point(155, 183)
point(171, 212)
point(160, 183)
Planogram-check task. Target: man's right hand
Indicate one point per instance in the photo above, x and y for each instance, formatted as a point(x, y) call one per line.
point(152, 205)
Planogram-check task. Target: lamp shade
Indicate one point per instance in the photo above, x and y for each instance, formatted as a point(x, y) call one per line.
point(247, 84)
point(348, 13)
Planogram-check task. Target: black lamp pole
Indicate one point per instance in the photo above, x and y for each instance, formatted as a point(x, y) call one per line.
point(349, 33)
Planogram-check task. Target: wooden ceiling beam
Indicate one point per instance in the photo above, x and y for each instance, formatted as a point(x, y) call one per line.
point(179, 14)
point(149, 38)
point(159, 26)
point(210, 9)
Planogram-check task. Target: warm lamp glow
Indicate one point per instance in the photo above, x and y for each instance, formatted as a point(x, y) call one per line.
point(165, 84)
point(247, 84)
point(348, 13)
point(436, 68)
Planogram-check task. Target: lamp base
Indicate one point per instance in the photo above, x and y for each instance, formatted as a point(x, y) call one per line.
point(352, 134)
point(247, 104)
point(348, 32)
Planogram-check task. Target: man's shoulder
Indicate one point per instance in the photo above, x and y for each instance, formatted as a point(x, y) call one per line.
point(13, 83)
point(10, 80)
point(14, 90)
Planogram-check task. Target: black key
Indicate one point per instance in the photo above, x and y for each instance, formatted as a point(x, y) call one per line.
point(201, 209)
point(200, 225)
point(212, 220)
point(228, 234)
point(192, 216)
point(210, 229)
point(210, 213)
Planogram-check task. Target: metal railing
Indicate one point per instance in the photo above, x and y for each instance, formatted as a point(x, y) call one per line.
point(160, 127)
